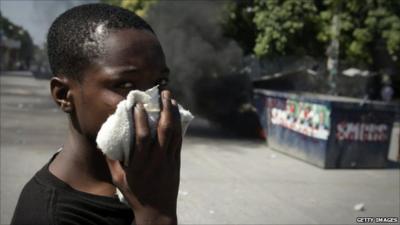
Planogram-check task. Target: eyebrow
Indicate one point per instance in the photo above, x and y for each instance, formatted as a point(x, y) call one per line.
point(117, 72)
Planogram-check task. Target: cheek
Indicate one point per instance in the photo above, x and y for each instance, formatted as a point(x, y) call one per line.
point(108, 101)
point(106, 106)
point(96, 111)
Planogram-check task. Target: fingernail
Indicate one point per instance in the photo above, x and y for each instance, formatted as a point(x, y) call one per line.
point(165, 94)
point(139, 106)
point(173, 102)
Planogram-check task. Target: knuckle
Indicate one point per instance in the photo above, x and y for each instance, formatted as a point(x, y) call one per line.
point(143, 136)
point(165, 127)
point(119, 178)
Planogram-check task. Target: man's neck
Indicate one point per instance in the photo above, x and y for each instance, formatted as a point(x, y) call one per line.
point(82, 166)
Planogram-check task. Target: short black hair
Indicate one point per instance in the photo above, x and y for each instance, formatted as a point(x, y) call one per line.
point(76, 37)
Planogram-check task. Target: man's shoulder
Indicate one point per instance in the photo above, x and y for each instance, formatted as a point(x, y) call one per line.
point(34, 203)
point(45, 199)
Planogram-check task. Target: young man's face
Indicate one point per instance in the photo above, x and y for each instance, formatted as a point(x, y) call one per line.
point(134, 60)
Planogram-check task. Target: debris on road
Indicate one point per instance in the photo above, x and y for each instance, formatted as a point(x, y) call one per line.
point(359, 207)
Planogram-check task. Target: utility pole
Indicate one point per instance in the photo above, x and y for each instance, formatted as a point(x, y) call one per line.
point(333, 51)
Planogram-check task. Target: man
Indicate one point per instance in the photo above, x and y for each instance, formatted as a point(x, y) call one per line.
point(98, 53)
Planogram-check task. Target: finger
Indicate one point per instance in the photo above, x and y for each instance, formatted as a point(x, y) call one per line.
point(176, 146)
point(175, 112)
point(116, 170)
point(176, 141)
point(165, 124)
point(142, 135)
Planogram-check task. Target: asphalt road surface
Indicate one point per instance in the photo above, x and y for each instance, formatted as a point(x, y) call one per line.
point(223, 180)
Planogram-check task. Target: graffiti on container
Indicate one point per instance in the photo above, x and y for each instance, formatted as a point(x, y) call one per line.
point(310, 119)
point(362, 131)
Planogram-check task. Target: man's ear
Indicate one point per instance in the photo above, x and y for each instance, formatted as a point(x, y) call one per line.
point(60, 88)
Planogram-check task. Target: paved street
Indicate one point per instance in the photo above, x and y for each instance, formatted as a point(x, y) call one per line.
point(224, 180)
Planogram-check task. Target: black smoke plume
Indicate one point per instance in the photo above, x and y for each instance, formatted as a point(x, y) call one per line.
point(204, 64)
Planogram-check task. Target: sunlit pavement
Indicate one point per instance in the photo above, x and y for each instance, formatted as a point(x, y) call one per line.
point(224, 180)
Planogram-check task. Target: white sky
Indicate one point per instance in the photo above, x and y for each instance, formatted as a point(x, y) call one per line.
point(36, 16)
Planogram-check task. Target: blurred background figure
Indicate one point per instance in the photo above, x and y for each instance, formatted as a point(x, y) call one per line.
point(387, 89)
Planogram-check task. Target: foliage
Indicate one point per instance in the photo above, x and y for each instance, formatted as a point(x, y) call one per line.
point(363, 24)
point(285, 27)
point(12, 31)
point(140, 7)
point(299, 27)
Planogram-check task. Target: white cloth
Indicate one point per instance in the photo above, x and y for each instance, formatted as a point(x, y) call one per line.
point(115, 138)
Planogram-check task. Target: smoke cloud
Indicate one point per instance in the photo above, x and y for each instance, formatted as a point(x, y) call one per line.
point(192, 40)
point(203, 63)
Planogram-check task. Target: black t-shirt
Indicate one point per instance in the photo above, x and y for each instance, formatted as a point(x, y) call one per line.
point(45, 199)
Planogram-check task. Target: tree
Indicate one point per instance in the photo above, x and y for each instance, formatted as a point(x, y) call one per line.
point(27, 48)
point(286, 27)
point(365, 26)
point(368, 29)
point(24, 53)
point(140, 7)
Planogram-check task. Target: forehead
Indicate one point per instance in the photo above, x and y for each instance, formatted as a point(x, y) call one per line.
point(135, 47)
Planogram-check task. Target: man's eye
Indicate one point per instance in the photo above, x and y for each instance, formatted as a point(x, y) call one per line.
point(163, 82)
point(126, 85)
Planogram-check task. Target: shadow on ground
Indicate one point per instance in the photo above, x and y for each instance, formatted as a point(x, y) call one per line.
point(200, 127)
